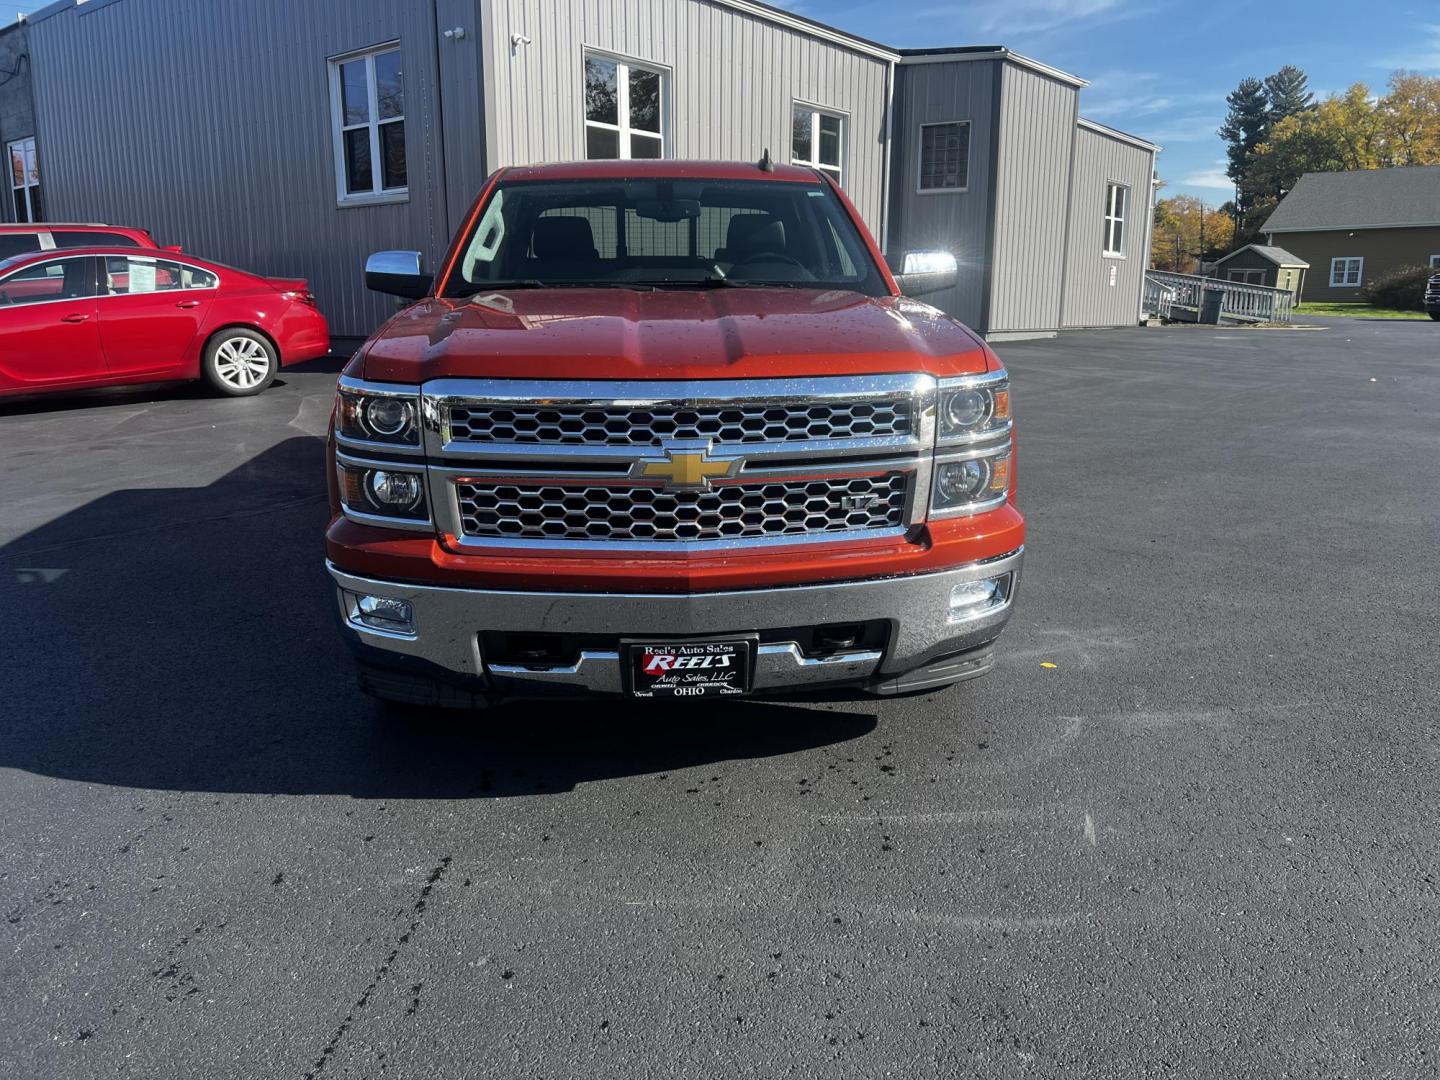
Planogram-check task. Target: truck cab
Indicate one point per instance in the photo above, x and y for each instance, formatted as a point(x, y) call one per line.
point(669, 430)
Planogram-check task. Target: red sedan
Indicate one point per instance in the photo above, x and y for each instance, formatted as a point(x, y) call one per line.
point(109, 316)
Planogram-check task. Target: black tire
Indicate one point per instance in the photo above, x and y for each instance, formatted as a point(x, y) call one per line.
point(233, 359)
point(1435, 315)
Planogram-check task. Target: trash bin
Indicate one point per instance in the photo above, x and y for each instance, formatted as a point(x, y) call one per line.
point(1211, 300)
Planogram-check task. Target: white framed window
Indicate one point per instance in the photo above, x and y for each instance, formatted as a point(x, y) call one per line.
point(944, 157)
point(1346, 273)
point(626, 108)
point(817, 139)
point(1248, 277)
point(25, 181)
point(1434, 261)
point(1117, 202)
point(367, 110)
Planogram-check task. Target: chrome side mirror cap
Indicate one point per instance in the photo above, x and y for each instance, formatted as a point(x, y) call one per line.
point(397, 273)
point(927, 272)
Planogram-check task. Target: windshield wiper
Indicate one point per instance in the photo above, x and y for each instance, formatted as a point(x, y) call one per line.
point(536, 283)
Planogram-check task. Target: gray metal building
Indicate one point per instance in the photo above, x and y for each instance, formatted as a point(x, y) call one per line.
point(332, 130)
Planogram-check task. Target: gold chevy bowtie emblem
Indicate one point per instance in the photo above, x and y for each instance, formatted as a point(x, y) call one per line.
point(687, 469)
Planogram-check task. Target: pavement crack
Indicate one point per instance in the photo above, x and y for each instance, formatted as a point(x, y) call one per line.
point(417, 912)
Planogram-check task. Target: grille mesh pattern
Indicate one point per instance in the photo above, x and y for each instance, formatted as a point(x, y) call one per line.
point(646, 514)
point(579, 425)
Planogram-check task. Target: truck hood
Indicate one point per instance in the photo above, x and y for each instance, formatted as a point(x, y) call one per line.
point(669, 334)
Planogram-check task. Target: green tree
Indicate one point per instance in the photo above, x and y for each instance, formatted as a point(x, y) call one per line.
point(1246, 125)
point(1287, 93)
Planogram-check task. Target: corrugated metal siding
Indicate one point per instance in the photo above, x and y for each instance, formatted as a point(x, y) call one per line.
point(957, 221)
point(1037, 123)
point(1090, 298)
point(208, 122)
point(733, 80)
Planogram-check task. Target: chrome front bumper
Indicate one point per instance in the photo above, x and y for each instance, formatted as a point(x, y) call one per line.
point(923, 647)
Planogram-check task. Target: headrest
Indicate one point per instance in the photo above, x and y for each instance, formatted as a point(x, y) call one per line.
point(564, 239)
point(749, 233)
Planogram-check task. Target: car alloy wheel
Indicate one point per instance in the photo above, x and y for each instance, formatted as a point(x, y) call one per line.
point(242, 363)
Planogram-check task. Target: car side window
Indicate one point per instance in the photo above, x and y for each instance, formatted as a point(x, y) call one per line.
point(192, 277)
point(18, 243)
point(127, 275)
point(59, 279)
point(69, 238)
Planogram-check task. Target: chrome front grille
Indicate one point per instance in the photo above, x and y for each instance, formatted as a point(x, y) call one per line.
point(676, 466)
point(738, 423)
point(501, 509)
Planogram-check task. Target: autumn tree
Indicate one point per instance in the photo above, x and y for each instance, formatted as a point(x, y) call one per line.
point(1188, 232)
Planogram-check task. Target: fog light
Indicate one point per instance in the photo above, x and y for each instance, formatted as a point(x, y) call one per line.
point(382, 613)
point(394, 489)
point(971, 599)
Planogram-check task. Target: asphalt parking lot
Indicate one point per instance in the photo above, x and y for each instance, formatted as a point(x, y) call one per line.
point(1205, 843)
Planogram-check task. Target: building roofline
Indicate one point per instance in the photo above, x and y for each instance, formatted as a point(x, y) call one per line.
point(1256, 247)
point(812, 26)
point(1116, 133)
point(959, 53)
point(1350, 228)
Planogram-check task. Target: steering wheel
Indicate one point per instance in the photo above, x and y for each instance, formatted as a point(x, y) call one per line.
point(767, 256)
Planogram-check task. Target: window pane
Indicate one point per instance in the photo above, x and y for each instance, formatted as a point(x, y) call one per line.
point(601, 143)
point(644, 146)
point(389, 85)
point(133, 276)
point(644, 100)
point(392, 154)
point(12, 244)
point(17, 165)
point(32, 163)
point(800, 139)
point(601, 99)
point(65, 238)
point(1119, 239)
point(37, 205)
point(355, 92)
point(358, 174)
point(68, 279)
point(829, 140)
point(22, 211)
point(194, 278)
point(944, 156)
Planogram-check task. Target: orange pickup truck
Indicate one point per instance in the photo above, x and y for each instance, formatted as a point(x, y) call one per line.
point(669, 429)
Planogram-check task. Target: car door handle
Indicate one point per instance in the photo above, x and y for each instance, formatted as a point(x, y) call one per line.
point(188, 303)
point(74, 317)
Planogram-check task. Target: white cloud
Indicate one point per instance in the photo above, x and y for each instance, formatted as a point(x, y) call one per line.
point(1139, 93)
point(1427, 58)
point(1208, 178)
point(1028, 16)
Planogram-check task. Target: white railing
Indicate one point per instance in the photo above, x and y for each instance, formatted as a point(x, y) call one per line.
point(1240, 302)
point(1159, 297)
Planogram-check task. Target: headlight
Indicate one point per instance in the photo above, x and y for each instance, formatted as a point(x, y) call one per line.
point(374, 490)
point(965, 485)
point(975, 407)
point(373, 413)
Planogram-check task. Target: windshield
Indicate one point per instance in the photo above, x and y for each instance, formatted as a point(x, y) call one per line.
point(664, 233)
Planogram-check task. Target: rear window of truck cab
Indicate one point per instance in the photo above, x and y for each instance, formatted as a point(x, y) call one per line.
point(664, 233)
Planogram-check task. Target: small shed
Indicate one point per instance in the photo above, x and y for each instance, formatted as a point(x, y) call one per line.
point(1263, 264)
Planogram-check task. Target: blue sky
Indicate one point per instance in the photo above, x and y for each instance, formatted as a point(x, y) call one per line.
point(1162, 69)
point(1158, 68)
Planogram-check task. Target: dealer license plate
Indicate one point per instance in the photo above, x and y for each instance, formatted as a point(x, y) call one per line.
point(690, 669)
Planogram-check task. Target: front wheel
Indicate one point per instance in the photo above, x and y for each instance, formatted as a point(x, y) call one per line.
point(239, 363)
point(1435, 315)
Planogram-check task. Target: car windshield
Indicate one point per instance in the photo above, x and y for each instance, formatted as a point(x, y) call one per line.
point(664, 234)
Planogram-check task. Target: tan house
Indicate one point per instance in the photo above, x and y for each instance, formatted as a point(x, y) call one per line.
point(1351, 227)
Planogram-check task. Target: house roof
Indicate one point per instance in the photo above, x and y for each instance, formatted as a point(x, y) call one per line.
point(1365, 199)
point(1277, 255)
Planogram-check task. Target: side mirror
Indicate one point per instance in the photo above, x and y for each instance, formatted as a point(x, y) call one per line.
point(397, 273)
point(927, 272)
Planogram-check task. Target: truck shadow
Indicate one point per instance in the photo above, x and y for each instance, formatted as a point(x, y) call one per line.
point(182, 639)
